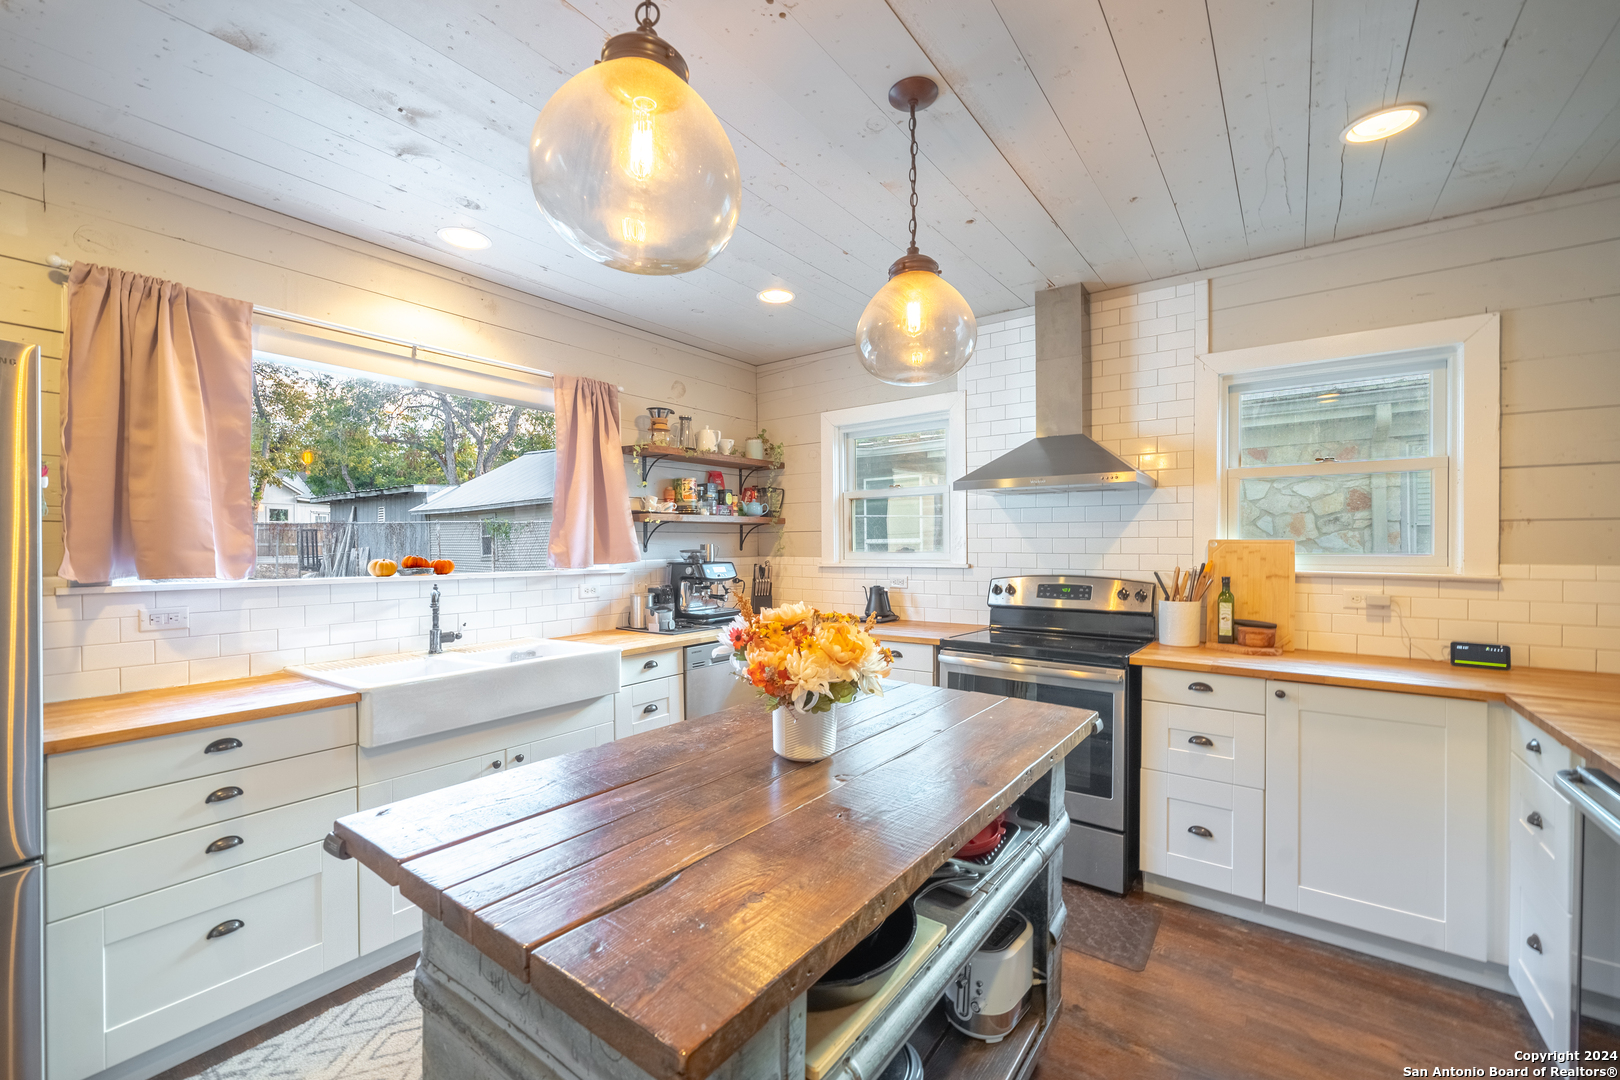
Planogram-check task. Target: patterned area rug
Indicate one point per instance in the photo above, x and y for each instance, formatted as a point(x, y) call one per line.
point(377, 1036)
point(1119, 930)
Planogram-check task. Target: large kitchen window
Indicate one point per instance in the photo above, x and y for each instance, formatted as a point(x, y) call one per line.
point(887, 472)
point(1345, 461)
point(1376, 452)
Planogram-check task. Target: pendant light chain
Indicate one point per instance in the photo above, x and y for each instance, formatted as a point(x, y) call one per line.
point(912, 126)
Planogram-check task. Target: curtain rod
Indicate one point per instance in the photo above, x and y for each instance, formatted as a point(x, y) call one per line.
point(60, 263)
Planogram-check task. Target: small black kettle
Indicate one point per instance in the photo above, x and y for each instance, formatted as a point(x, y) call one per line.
point(877, 603)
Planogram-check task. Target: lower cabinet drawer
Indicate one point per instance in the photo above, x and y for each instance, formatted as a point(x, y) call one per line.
point(910, 657)
point(1538, 962)
point(1540, 844)
point(1237, 692)
point(644, 666)
point(78, 886)
point(123, 979)
point(1210, 744)
point(1544, 754)
point(1204, 833)
point(644, 706)
point(920, 678)
point(72, 832)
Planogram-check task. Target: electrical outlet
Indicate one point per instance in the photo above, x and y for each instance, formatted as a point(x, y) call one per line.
point(1367, 600)
point(897, 582)
point(589, 592)
point(1356, 599)
point(170, 619)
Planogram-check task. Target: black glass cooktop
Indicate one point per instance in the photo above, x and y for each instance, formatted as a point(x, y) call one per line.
point(1050, 645)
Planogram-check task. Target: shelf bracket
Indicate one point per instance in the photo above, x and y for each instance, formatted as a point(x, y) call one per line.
point(648, 528)
point(745, 531)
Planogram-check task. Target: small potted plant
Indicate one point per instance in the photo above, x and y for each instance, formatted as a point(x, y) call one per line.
point(808, 663)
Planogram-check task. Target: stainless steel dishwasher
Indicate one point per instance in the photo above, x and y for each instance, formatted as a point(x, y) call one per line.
point(710, 684)
point(1594, 1014)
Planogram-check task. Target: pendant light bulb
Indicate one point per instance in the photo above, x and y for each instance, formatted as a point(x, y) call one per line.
point(917, 329)
point(630, 165)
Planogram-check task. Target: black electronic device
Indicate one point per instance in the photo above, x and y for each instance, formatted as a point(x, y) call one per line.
point(1473, 654)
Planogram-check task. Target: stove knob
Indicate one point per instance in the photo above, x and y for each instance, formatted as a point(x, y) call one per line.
point(1141, 595)
point(996, 589)
point(1011, 590)
point(1123, 594)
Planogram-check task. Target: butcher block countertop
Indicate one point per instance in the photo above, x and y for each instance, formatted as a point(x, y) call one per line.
point(635, 642)
point(1578, 708)
point(674, 890)
point(141, 714)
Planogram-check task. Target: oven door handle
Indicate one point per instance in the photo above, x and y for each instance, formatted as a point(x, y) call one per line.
point(1034, 667)
point(1574, 784)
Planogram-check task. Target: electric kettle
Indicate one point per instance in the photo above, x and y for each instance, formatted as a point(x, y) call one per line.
point(877, 603)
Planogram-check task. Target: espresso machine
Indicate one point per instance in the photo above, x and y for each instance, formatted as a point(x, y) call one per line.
point(702, 587)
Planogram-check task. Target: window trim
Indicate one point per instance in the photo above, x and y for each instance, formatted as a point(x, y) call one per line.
point(952, 406)
point(1473, 436)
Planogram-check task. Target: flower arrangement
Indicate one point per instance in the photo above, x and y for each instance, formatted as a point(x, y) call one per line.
point(805, 658)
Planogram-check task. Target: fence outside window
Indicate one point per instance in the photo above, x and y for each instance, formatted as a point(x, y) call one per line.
point(343, 549)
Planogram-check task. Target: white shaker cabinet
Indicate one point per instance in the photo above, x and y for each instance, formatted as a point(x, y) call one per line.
point(1376, 812)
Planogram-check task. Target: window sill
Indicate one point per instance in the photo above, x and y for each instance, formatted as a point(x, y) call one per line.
point(895, 566)
point(1397, 575)
point(62, 588)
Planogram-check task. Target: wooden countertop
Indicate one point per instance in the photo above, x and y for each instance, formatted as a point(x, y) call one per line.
point(116, 718)
point(1580, 709)
point(635, 642)
point(674, 890)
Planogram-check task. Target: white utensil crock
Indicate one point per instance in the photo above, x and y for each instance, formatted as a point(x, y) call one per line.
point(804, 736)
point(1181, 622)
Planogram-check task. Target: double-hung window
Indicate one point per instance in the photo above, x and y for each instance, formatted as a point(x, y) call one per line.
point(1345, 460)
point(887, 473)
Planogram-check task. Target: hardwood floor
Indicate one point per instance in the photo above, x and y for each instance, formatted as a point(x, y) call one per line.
point(1223, 999)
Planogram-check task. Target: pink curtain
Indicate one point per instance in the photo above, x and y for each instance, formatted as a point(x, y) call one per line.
point(156, 423)
point(590, 516)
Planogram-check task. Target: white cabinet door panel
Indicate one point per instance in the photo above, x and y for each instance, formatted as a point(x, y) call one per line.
point(1540, 836)
point(1376, 812)
point(1538, 947)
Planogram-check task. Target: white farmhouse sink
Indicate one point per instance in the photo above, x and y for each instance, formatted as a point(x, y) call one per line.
point(409, 695)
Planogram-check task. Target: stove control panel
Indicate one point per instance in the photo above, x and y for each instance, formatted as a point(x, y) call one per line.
point(1071, 593)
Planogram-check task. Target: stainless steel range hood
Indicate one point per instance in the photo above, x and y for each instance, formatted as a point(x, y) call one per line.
point(1061, 457)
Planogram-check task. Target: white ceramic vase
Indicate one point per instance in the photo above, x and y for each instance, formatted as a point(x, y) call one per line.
point(804, 736)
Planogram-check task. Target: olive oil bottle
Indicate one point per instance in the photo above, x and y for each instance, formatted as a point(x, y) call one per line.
point(1223, 612)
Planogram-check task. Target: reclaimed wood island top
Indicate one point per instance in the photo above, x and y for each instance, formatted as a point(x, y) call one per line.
point(675, 890)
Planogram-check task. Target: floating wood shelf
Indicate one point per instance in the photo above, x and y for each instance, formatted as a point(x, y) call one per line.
point(651, 522)
point(672, 455)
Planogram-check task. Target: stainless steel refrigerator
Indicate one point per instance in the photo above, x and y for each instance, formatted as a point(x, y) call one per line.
point(22, 811)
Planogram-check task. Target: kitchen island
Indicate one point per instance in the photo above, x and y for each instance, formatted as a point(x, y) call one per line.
point(659, 906)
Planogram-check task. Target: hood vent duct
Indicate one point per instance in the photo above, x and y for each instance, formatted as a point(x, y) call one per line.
point(1061, 457)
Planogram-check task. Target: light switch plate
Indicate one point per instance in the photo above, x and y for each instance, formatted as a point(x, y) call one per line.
point(166, 619)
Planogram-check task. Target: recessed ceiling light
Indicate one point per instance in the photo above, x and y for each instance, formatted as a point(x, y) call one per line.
point(776, 296)
point(471, 239)
point(1383, 123)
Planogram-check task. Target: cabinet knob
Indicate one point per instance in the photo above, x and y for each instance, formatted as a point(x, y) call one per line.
point(219, 746)
point(518, 758)
point(650, 709)
point(1201, 740)
point(222, 794)
point(1534, 746)
point(497, 763)
point(1199, 830)
point(1279, 693)
point(1534, 941)
point(229, 926)
point(1534, 818)
point(224, 843)
point(1201, 687)
point(649, 665)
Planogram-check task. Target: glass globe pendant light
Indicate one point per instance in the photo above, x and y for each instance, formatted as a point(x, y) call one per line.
point(917, 329)
point(630, 165)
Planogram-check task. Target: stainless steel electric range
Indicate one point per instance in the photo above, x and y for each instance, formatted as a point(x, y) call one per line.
point(1068, 640)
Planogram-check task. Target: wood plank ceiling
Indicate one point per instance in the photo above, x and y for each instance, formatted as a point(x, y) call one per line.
point(1100, 141)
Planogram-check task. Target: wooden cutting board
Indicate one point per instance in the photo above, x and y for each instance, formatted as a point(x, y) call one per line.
point(1262, 573)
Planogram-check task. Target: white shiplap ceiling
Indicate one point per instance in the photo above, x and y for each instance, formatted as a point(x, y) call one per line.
point(1097, 141)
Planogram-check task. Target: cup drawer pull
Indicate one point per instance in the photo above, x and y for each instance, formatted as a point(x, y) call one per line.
point(1534, 818)
point(897, 654)
point(229, 926)
point(222, 794)
point(1199, 830)
point(224, 843)
point(649, 709)
point(649, 665)
point(1201, 740)
point(1201, 687)
point(1534, 941)
point(1534, 746)
point(219, 746)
